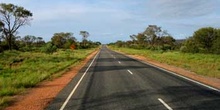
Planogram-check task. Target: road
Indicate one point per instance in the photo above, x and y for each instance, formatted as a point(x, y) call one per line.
point(112, 81)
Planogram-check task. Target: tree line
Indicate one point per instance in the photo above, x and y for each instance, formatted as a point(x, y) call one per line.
point(204, 40)
point(13, 17)
point(153, 38)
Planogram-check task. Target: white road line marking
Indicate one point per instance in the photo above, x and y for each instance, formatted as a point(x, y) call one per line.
point(129, 71)
point(166, 105)
point(74, 89)
point(189, 79)
point(207, 86)
point(119, 62)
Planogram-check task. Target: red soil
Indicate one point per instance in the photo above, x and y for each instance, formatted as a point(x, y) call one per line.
point(39, 97)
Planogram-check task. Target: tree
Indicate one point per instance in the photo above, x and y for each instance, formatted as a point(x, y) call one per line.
point(39, 41)
point(189, 46)
point(1, 26)
point(141, 39)
point(216, 46)
point(205, 38)
point(119, 43)
point(49, 48)
point(13, 17)
point(63, 40)
point(85, 35)
point(1, 29)
point(167, 42)
point(216, 43)
point(133, 37)
point(153, 34)
point(29, 40)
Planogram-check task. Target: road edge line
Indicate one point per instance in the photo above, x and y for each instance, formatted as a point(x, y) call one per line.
point(76, 86)
point(173, 73)
point(184, 77)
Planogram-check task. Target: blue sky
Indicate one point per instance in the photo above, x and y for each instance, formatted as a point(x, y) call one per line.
point(112, 20)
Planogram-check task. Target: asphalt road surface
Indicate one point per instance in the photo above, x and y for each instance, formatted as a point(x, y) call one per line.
point(112, 81)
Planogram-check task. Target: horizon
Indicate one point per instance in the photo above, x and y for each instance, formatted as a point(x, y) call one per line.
point(111, 20)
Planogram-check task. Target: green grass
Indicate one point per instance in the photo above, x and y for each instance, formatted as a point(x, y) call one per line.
point(202, 64)
point(21, 70)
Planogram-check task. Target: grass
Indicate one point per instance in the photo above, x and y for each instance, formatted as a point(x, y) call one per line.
point(21, 70)
point(202, 64)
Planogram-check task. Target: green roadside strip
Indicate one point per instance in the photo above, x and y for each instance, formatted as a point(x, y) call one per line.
point(202, 64)
point(22, 70)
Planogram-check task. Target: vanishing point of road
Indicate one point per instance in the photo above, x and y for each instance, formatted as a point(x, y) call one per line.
point(112, 81)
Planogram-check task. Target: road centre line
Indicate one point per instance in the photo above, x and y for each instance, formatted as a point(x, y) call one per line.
point(112, 55)
point(74, 89)
point(130, 72)
point(186, 78)
point(164, 103)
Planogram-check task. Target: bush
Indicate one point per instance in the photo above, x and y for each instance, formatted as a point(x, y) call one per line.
point(3, 46)
point(183, 49)
point(49, 48)
point(216, 46)
point(1, 67)
point(190, 46)
point(1, 49)
point(167, 47)
point(25, 49)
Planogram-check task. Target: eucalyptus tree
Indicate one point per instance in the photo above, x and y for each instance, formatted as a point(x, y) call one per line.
point(63, 40)
point(85, 35)
point(205, 38)
point(13, 17)
point(29, 40)
point(1, 30)
point(153, 34)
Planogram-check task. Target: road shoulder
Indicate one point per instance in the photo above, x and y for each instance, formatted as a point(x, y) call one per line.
point(213, 82)
point(39, 97)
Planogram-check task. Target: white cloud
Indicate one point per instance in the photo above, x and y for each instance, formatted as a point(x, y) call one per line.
point(183, 8)
point(78, 12)
point(114, 20)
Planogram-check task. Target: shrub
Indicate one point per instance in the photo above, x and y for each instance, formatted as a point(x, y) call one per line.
point(49, 48)
point(1, 67)
point(216, 46)
point(1, 49)
point(190, 46)
point(183, 49)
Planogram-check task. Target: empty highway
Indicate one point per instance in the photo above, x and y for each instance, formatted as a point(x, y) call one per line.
point(112, 81)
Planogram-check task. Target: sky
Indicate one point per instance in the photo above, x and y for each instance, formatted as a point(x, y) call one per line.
point(111, 20)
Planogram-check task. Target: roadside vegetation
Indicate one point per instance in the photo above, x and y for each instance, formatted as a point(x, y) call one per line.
point(202, 64)
point(27, 60)
point(199, 53)
point(21, 70)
